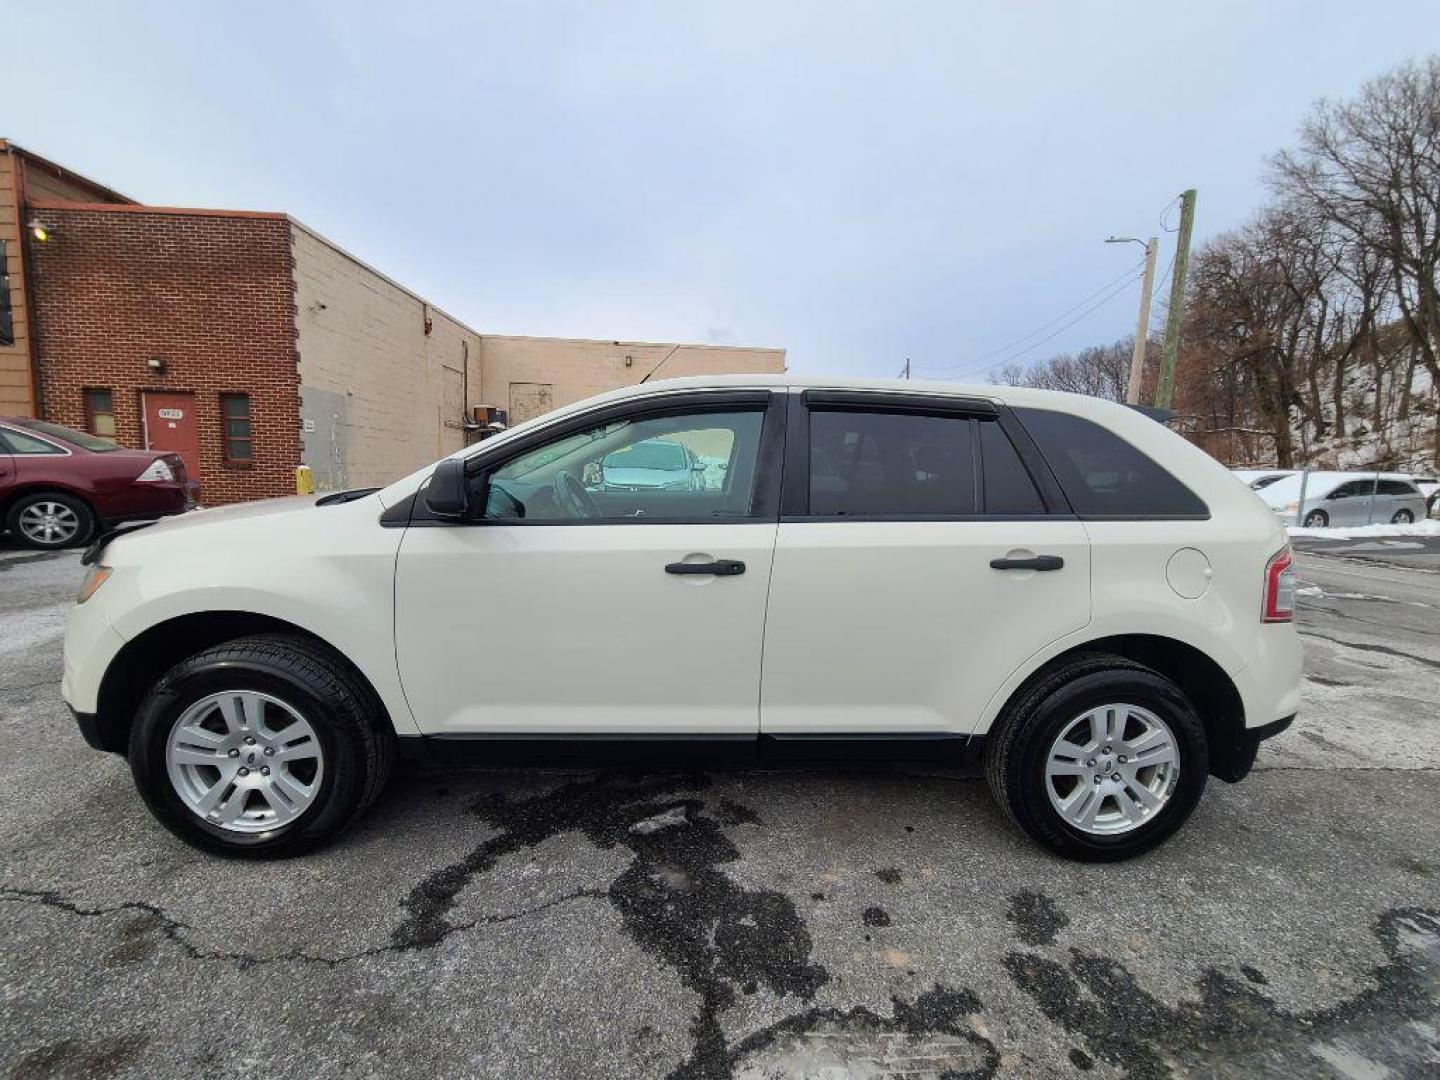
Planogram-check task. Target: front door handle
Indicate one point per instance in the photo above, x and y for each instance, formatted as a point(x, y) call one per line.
point(1035, 562)
point(720, 567)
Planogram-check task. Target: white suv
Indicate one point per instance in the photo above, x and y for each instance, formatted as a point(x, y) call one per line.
point(1055, 583)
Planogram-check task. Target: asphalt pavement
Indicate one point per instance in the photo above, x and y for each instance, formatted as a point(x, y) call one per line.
point(822, 924)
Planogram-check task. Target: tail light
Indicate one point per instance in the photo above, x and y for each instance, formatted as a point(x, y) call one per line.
point(1279, 587)
point(158, 471)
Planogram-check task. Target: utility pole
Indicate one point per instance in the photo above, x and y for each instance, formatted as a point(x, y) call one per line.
point(1142, 327)
point(907, 367)
point(1173, 319)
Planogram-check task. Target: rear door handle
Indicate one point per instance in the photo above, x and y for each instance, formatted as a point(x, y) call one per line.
point(1035, 562)
point(720, 567)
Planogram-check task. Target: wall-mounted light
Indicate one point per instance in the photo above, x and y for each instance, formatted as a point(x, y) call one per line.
point(629, 361)
point(156, 365)
point(40, 231)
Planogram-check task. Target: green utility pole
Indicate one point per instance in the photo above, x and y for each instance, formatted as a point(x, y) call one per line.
point(1177, 301)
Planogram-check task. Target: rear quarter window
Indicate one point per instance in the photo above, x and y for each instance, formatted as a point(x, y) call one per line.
point(1397, 487)
point(1102, 475)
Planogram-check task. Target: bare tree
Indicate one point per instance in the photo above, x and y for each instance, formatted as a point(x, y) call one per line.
point(1098, 370)
point(1372, 168)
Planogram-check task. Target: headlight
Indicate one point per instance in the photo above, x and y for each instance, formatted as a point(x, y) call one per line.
point(157, 470)
point(93, 580)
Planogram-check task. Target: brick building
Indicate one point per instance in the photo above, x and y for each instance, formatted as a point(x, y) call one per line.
point(250, 344)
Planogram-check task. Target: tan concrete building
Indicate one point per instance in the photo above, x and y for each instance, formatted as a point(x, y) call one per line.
point(249, 344)
point(531, 375)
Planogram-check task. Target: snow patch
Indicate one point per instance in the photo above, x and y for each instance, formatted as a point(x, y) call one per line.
point(1360, 532)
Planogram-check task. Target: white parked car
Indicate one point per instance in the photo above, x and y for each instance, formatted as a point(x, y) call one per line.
point(1056, 583)
point(1261, 478)
point(1334, 499)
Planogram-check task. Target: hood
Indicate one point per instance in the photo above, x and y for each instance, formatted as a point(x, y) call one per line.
point(288, 504)
point(644, 477)
point(250, 526)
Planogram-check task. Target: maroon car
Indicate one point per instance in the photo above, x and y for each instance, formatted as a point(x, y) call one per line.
point(59, 486)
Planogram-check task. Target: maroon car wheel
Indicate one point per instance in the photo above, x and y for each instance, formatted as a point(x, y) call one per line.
point(50, 519)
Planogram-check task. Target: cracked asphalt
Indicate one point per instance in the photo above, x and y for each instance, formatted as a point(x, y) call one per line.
point(822, 924)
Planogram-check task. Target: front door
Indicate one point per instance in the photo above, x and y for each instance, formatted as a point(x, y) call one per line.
point(170, 424)
point(569, 605)
point(905, 588)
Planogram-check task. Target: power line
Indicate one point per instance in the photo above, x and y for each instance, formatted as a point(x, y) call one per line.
point(1116, 287)
point(1123, 279)
point(1124, 285)
point(1165, 212)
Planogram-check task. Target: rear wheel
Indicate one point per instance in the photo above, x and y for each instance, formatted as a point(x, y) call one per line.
point(1100, 759)
point(1402, 517)
point(50, 520)
point(264, 746)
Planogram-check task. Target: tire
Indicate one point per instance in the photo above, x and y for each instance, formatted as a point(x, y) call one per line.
point(1402, 517)
point(1019, 748)
point(1317, 519)
point(294, 679)
point(50, 520)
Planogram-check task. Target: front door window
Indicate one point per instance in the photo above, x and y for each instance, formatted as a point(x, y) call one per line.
point(686, 467)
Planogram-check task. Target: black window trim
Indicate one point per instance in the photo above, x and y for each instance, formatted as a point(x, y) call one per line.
point(795, 485)
point(764, 499)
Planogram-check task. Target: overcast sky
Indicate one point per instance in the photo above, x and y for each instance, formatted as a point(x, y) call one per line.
point(855, 183)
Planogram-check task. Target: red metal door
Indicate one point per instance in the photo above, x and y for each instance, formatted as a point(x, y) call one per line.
point(170, 425)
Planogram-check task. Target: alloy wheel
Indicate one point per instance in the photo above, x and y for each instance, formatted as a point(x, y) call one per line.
point(49, 522)
point(244, 761)
point(1112, 769)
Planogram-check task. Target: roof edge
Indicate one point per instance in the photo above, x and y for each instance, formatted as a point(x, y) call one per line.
point(30, 156)
point(639, 344)
point(142, 208)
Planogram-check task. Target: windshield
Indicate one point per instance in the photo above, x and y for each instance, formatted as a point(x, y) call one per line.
point(80, 438)
point(653, 454)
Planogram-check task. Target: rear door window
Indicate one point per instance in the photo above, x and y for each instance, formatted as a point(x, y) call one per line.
point(890, 464)
point(20, 443)
point(1397, 487)
point(1104, 476)
point(1009, 488)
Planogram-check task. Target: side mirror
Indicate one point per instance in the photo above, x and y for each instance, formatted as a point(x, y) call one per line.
point(448, 495)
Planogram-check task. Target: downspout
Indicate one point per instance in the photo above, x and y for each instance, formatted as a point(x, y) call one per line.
point(32, 366)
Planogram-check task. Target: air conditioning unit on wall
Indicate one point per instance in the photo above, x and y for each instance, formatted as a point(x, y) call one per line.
point(486, 420)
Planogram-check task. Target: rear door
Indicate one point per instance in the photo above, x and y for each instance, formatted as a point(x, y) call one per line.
point(919, 560)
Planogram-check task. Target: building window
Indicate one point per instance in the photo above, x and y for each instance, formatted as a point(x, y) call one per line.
point(7, 314)
point(235, 430)
point(100, 413)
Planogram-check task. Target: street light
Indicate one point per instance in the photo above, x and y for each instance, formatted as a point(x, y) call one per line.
point(1142, 325)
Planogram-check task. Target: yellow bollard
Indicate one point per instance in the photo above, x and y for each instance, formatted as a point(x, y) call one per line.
point(304, 480)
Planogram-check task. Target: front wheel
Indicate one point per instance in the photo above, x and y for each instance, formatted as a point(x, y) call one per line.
point(264, 746)
point(1317, 519)
point(1100, 760)
point(1402, 517)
